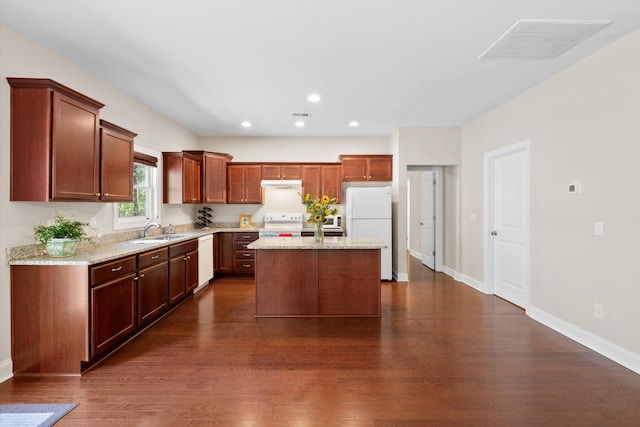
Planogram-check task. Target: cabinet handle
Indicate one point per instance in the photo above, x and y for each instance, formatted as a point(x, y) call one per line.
point(369, 176)
point(97, 194)
point(135, 278)
point(155, 257)
point(246, 265)
point(142, 275)
point(116, 269)
point(188, 257)
point(246, 237)
point(106, 194)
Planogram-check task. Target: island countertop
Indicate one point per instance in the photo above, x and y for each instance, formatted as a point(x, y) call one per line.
point(309, 243)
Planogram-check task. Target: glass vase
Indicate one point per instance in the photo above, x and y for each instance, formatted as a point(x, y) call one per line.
point(318, 233)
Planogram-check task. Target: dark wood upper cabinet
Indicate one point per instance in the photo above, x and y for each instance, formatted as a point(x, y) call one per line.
point(281, 171)
point(55, 144)
point(116, 163)
point(321, 179)
point(214, 175)
point(244, 183)
point(367, 167)
point(181, 178)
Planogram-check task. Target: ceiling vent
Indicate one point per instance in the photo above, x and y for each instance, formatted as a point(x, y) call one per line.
point(541, 39)
point(301, 114)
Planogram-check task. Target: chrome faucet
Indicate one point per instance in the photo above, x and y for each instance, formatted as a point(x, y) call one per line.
point(148, 226)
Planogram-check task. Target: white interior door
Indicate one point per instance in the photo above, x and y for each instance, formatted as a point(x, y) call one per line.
point(510, 229)
point(427, 221)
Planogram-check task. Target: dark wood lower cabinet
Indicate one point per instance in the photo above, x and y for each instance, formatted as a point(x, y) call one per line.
point(66, 318)
point(177, 290)
point(225, 255)
point(183, 270)
point(113, 312)
point(153, 291)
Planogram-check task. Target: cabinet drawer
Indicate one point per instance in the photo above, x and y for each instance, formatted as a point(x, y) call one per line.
point(241, 246)
point(183, 248)
point(245, 254)
point(244, 266)
point(113, 269)
point(149, 258)
point(245, 237)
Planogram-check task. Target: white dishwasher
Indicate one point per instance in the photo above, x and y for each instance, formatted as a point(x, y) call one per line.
point(205, 261)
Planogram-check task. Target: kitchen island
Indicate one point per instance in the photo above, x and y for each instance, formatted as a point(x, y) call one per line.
point(297, 277)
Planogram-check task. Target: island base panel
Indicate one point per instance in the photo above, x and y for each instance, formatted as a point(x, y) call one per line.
point(286, 282)
point(349, 282)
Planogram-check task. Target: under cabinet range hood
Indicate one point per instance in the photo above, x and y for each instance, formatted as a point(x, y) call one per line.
point(281, 183)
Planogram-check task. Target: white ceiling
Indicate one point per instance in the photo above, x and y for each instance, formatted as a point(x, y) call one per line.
point(209, 65)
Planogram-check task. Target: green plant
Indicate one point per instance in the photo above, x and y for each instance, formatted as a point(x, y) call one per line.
point(62, 227)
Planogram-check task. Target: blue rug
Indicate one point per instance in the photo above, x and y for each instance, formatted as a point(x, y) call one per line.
point(33, 415)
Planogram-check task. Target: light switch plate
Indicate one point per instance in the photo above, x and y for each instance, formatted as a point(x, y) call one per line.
point(598, 228)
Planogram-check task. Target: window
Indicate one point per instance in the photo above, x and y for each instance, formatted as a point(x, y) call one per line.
point(144, 205)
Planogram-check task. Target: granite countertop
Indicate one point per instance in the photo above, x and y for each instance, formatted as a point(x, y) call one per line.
point(98, 253)
point(309, 243)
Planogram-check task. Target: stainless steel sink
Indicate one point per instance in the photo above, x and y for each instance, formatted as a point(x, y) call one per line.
point(166, 237)
point(144, 241)
point(156, 239)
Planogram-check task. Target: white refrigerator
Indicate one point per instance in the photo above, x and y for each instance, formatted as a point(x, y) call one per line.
point(368, 214)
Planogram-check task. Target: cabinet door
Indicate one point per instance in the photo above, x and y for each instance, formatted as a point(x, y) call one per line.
point(153, 292)
point(244, 184)
point(116, 171)
point(290, 172)
point(271, 172)
point(112, 312)
point(75, 155)
point(191, 271)
point(235, 184)
point(177, 271)
point(253, 191)
point(215, 179)
point(331, 183)
point(354, 169)
point(380, 169)
point(311, 180)
point(191, 180)
point(216, 254)
point(226, 254)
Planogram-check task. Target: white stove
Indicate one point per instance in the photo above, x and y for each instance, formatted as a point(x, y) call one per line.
point(282, 225)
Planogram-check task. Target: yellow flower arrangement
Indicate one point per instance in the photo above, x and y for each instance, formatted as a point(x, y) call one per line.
point(319, 208)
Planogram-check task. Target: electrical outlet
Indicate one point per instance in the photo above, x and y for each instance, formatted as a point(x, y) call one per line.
point(598, 311)
point(598, 228)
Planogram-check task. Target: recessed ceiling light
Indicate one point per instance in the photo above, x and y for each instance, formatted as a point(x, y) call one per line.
point(246, 124)
point(299, 124)
point(354, 124)
point(314, 97)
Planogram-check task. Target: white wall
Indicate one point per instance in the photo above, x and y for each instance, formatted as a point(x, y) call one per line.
point(21, 57)
point(584, 126)
point(417, 146)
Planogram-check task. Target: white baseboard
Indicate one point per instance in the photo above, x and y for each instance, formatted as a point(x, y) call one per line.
point(475, 284)
point(598, 344)
point(415, 254)
point(6, 370)
point(400, 277)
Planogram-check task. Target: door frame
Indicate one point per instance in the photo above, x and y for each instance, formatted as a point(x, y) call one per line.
point(489, 175)
point(438, 209)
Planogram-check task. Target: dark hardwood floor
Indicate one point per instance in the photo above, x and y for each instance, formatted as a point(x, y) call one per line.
point(442, 354)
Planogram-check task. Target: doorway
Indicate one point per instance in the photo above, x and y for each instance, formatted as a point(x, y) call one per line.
point(507, 211)
point(425, 203)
